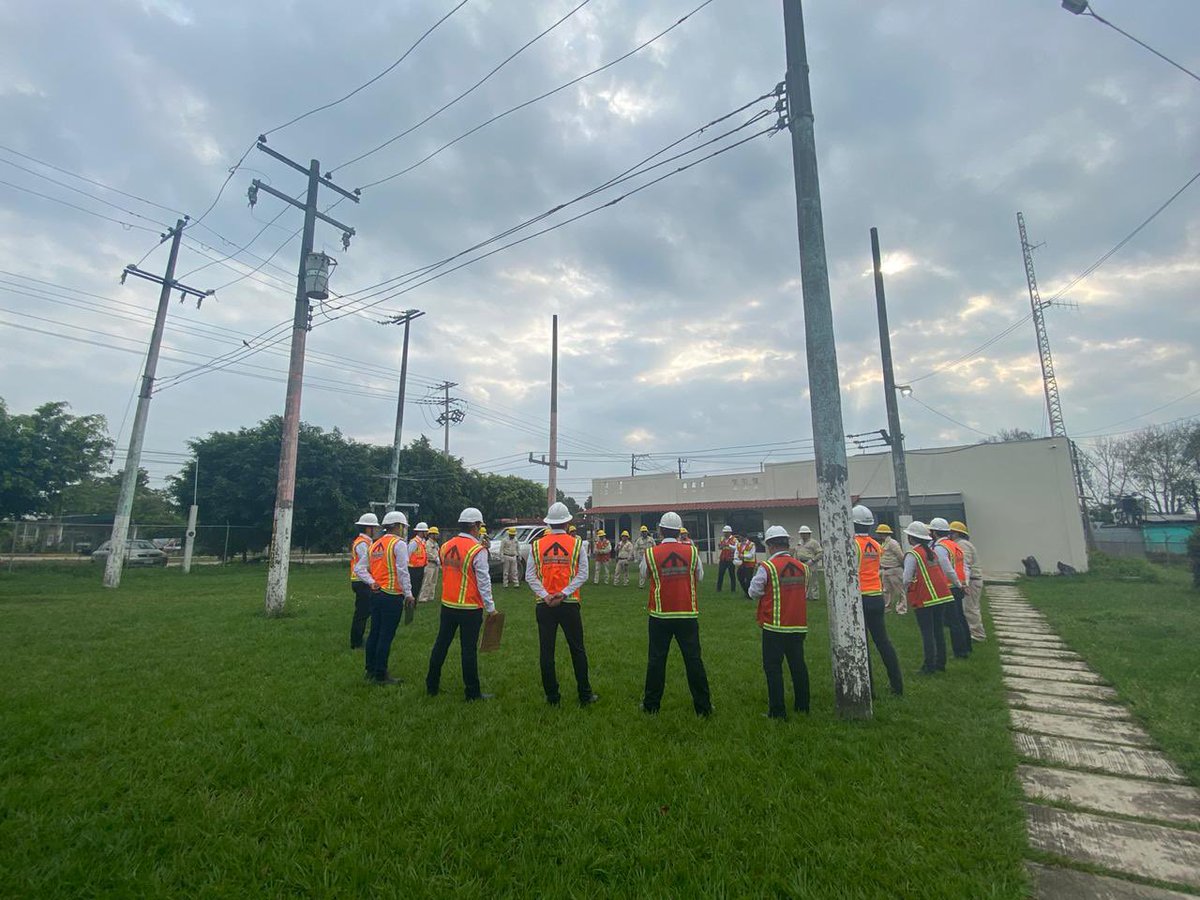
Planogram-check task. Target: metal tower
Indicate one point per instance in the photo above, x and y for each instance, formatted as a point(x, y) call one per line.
point(1049, 382)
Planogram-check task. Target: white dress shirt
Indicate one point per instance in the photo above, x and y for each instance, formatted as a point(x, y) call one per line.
point(758, 584)
point(483, 575)
point(535, 582)
point(645, 572)
point(400, 554)
point(362, 562)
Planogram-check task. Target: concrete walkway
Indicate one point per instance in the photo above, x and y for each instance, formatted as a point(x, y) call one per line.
point(1100, 795)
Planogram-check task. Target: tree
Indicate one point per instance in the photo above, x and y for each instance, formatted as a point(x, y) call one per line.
point(97, 496)
point(1005, 435)
point(1158, 465)
point(571, 503)
point(45, 452)
point(1106, 474)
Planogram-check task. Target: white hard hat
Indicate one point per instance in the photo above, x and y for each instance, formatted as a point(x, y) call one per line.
point(470, 516)
point(394, 517)
point(671, 521)
point(558, 514)
point(804, 529)
point(368, 519)
point(939, 524)
point(919, 531)
point(422, 526)
point(728, 529)
point(776, 532)
point(862, 516)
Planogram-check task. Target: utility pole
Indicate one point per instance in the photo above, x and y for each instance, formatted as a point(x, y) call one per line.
point(279, 559)
point(552, 486)
point(633, 462)
point(847, 638)
point(899, 464)
point(189, 539)
point(405, 318)
point(449, 414)
point(133, 456)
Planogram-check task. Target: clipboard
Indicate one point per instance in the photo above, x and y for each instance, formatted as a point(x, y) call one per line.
point(493, 628)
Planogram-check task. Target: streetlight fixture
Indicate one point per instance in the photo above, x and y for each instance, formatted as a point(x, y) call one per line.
point(1083, 8)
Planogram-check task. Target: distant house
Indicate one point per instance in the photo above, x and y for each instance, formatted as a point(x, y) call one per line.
point(1167, 532)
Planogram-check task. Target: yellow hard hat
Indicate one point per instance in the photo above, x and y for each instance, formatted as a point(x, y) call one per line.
point(600, 533)
point(570, 529)
point(512, 530)
point(958, 526)
point(884, 529)
point(624, 534)
point(482, 529)
point(683, 531)
point(433, 529)
point(644, 528)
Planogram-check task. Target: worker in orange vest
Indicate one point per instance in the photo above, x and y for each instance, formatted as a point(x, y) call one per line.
point(780, 586)
point(674, 572)
point(393, 592)
point(747, 562)
point(603, 551)
point(361, 582)
point(727, 549)
point(466, 595)
point(928, 593)
point(556, 569)
point(684, 537)
point(870, 588)
point(955, 566)
point(418, 556)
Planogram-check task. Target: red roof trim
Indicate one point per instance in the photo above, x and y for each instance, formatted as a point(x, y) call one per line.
point(786, 502)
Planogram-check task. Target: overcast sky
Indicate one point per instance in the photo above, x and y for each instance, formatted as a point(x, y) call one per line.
point(680, 310)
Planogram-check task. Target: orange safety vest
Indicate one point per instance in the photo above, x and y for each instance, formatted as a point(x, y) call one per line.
point(556, 561)
point(383, 564)
point(603, 550)
point(728, 545)
point(957, 559)
point(417, 558)
point(748, 553)
point(870, 582)
point(354, 545)
point(460, 588)
point(784, 606)
point(930, 587)
point(672, 568)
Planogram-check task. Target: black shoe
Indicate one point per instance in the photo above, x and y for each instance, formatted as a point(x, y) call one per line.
point(647, 710)
point(388, 680)
point(481, 697)
point(432, 693)
point(782, 717)
point(553, 701)
point(589, 699)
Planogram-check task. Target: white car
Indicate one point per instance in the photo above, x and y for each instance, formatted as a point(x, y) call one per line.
point(137, 553)
point(526, 535)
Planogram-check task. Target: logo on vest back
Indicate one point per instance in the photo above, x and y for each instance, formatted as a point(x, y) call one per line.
point(675, 564)
point(452, 558)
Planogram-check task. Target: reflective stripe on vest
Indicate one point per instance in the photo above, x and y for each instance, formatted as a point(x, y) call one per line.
point(870, 582)
point(748, 553)
point(958, 559)
point(354, 545)
point(460, 590)
point(672, 569)
point(784, 605)
point(728, 548)
point(383, 564)
point(417, 558)
point(556, 561)
point(931, 586)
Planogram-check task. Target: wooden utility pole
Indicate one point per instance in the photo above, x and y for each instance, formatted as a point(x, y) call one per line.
point(847, 637)
point(279, 559)
point(133, 456)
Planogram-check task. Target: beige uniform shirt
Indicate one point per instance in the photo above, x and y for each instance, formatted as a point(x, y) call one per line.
point(625, 550)
point(809, 551)
point(510, 547)
point(971, 558)
point(892, 555)
point(644, 543)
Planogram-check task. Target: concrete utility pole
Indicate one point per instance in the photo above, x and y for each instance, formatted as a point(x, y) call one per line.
point(847, 638)
point(189, 539)
point(552, 487)
point(279, 559)
point(899, 465)
point(405, 318)
point(133, 456)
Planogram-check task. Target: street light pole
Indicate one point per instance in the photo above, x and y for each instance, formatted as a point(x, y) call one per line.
point(847, 637)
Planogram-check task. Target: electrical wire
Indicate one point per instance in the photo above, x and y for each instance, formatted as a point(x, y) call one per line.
point(948, 418)
point(80, 191)
point(1091, 12)
point(1093, 432)
point(126, 225)
point(538, 98)
point(433, 115)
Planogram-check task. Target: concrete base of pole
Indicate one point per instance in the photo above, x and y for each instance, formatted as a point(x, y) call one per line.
point(116, 552)
point(189, 541)
point(278, 561)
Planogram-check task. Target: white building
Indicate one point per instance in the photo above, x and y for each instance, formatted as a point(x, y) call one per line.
point(1018, 499)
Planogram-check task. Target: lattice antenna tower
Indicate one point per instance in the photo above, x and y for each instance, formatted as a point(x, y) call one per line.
point(1038, 307)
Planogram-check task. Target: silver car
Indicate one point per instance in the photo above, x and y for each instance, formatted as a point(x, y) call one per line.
point(526, 535)
point(137, 553)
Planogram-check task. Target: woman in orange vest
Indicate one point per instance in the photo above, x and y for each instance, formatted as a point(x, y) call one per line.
point(780, 585)
point(870, 586)
point(928, 592)
point(674, 572)
point(556, 569)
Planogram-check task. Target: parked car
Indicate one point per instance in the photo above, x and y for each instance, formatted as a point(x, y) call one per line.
point(167, 545)
point(137, 553)
point(526, 535)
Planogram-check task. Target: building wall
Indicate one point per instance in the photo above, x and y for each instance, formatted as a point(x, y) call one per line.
point(1019, 497)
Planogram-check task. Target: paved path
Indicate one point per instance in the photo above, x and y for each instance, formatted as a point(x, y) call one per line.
point(1101, 796)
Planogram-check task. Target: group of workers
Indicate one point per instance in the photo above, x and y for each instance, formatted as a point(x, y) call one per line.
point(937, 578)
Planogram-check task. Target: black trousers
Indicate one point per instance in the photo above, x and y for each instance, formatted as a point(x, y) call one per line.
point(873, 613)
point(929, 620)
point(776, 647)
point(416, 575)
point(468, 622)
point(362, 612)
point(568, 617)
point(386, 610)
point(956, 620)
point(745, 576)
point(727, 566)
point(686, 633)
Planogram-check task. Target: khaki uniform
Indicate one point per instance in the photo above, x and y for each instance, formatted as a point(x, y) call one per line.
point(602, 559)
point(891, 569)
point(973, 601)
point(510, 556)
point(809, 552)
point(433, 568)
point(640, 546)
point(624, 558)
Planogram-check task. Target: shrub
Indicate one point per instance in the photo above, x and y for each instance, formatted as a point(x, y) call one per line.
point(1124, 568)
point(1193, 552)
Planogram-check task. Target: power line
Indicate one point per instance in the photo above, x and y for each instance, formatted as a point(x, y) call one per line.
point(1091, 12)
point(126, 225)
point(538, 98)
point(948, 418)
point(1148, 412)
point(467, 92)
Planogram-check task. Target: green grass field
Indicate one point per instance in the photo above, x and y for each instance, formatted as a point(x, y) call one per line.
point(168, 740)
point(1141, 636)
